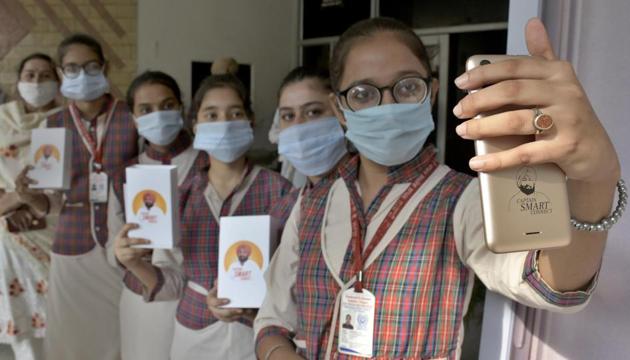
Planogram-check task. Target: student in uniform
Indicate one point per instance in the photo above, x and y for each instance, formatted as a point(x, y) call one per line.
point(84, 292)
point(231, 186)
point(309, 136)
point(303, 97)
point(420, 222)
point(154, 98)
point(24, 248)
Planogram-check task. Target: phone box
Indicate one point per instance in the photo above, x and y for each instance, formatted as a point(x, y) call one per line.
point(245, 246)
point(152, 202)
point(51, 156)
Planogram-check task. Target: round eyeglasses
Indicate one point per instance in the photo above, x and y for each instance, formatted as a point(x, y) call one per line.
point(73, 70)
point(408, 90)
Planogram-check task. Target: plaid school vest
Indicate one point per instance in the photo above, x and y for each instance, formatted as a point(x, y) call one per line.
point(419, 281)
point(74, 232)
point(282, 208)
point(200, 239)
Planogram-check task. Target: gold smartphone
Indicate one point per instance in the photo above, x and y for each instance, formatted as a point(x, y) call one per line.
point(525, 207)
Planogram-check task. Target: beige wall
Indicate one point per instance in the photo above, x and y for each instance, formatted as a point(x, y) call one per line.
point(261, 33)
point(28, 26)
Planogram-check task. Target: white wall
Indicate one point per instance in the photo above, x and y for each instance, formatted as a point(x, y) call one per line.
point(263, 33)
point(599, 41)
point(520, 12)
point(593, 36)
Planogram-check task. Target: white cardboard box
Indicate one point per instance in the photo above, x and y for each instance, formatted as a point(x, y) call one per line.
point(152, 201)
point(51, 156)
point(245, 245)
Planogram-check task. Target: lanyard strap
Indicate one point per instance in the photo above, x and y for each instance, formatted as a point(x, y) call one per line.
point(94, 147)
point(358, 235)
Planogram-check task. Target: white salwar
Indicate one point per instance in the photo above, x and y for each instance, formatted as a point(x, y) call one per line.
point(232, 340)
point(88, 304)
point(25, 256)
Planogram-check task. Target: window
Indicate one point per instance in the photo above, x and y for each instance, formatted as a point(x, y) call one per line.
point(316, 56)
point(443, 13)
point(322, 18)
point(463, 45)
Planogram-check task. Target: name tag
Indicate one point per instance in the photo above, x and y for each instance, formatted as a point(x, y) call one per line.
point(99, 187)
point(356, 323)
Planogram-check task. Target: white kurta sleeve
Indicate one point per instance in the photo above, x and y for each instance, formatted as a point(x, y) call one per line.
point(514, 275)
point(171, 277)
point(278, 313)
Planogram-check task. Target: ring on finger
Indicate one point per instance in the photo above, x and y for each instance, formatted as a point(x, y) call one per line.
point(542, 122)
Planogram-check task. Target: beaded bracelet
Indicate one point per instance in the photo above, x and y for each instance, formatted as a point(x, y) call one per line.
point(606, 223)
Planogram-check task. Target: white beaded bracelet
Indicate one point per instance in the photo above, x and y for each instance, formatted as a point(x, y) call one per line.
point(606, 223)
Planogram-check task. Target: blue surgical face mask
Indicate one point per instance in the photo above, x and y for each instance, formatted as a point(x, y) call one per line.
point(160, 127)
point(314, 147)
point(225, 141)
point(390, 134)
point(84, 87)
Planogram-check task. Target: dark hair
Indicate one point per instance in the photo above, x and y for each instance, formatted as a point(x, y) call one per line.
point(221, 81)
point(370, 27)
point(39, 56)
point(79, 39)
point(302, 73)
point(152, 77)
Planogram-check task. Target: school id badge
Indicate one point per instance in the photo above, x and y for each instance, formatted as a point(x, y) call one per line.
point(356, 323)
point(98, 187)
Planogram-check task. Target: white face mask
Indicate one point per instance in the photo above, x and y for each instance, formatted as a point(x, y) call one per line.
point(160, 127)
point(390, 134)
point(38, 94)
point(225, 141)
point(84, 87)
point(314, 147)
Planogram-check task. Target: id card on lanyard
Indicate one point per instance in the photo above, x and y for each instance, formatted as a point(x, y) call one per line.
point(98, 186)
point(358, 305)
